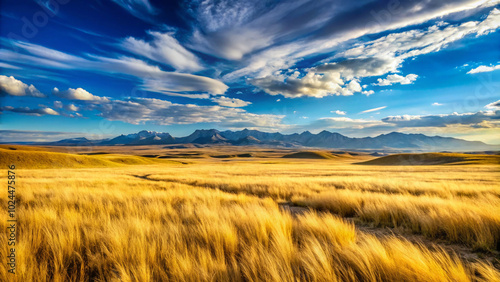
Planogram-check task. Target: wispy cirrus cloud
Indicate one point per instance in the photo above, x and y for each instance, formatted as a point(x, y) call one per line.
point(373, 58)
point(165, 49)
point(156, 111)
point(474, 119)
point(321, 23)
point(8, 66)
point(153, 78)
point(44, 136)
point(30, 111)
point(141, 9)
point(373, 110)
point(482, 124)
point(230, 102)
point(417, 42)
point(210, 49)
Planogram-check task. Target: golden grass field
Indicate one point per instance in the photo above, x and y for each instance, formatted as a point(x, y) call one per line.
point(205, 214)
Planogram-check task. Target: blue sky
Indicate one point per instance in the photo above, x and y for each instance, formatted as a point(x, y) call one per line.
point(361, 68)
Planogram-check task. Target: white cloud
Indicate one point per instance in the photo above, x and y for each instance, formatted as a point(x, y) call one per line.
point(480, 123)
point(14, 87)
point(354, 86)
point(361, 67)
point(396, 79)
point(71, 108)
point(436, 104)
point(347, 123)
point(230, 102)
point(321, 31)
point(153, 78)
point(339, 78)
point(217, 15)
point(417, 42)
point(443, 120)
point(484, 69)
point(165, 49)
point(236, 43)
point(373, 110)
point(323, 24)
point(232, 29)
point(77, 94)
point(309, 85)
point(386, 54)
point(339, 112)
point(142, 110)
point(49, 111)
point(28, 111)
point(493, 106)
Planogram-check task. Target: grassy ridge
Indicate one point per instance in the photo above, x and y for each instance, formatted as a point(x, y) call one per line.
point(311, 155)
point(34, 159)
point(434, 159)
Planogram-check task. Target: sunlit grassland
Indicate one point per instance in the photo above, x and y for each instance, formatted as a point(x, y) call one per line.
point(212, 220)
point(457, 203)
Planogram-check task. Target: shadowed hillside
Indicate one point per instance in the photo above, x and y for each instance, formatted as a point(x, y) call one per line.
point(434, 159)
point(310, 155)
point(33, 159)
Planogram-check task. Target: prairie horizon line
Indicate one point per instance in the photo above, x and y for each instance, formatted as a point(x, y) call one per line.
point(54, 136)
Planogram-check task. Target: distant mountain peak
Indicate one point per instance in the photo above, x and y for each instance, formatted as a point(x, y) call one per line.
point(324, 139)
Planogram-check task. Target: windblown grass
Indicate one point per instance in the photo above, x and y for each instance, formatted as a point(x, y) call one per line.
point(459, 221)
point(210, 220)
point(103, 224)
point(461, 206)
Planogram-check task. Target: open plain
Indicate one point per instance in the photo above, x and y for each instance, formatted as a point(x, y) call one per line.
point(156, 213)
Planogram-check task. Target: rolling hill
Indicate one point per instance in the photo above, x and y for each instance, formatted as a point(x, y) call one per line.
point(434, 159)
point(34, 158)
point(310, 155)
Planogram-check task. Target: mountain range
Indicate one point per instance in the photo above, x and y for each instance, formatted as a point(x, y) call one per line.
point(324, 139)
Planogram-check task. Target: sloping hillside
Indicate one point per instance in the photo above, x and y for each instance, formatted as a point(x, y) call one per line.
point(310, 155)
point(434, 159)
point(33, 159)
